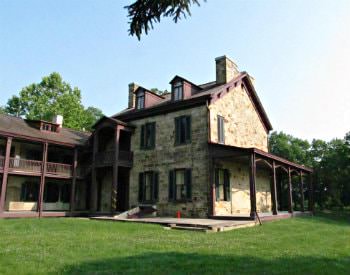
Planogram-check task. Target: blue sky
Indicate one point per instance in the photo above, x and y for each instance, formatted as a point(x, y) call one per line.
point(298, 51)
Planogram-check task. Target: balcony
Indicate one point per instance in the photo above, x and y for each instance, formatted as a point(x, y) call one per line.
point(107, 158)
point(2, 161)
point(26, 166)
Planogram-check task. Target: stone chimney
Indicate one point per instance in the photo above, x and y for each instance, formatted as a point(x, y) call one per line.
point(132, 98)
point(58, 119)
point(226, 69)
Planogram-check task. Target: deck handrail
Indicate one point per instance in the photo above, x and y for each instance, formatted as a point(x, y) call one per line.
point(26, 165)
point(59, 169)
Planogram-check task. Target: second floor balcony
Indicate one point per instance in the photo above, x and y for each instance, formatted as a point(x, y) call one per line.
point(107, 158)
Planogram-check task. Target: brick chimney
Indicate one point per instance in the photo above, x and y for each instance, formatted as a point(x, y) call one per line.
point(132, 98)
point(226, 69)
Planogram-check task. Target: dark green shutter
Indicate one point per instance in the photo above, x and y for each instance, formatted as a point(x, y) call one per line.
point(172, 190)
point(142, 137)
point(227, 185)
point(23, 191)
point(153, 135)
point(217, 194)
point(141, 187)
point(188, 182)
point(177, 130)
point(155, 186)
point(188, 129)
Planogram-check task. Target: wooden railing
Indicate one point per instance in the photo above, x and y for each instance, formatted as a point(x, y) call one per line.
point(2, 162)
point(59, 169)
point(25, 165)
point(108, 157)
point(35, 166)
point(126, 156)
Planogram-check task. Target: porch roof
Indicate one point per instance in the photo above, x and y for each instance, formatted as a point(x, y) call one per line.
point(218, 150)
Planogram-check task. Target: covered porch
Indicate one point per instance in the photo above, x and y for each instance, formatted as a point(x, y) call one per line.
point(248, 183)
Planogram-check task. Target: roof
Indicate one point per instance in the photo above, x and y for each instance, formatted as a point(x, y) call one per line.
point(262, 154)
point(208, 90)
point(19, 127)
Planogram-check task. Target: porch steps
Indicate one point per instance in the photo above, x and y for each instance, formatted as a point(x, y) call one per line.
point(138, 212)
point(209, 228)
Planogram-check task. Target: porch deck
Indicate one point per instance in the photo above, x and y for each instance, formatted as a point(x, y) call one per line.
point(214, 224)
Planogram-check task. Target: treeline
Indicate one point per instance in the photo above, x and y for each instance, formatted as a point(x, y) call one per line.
point(330, 161)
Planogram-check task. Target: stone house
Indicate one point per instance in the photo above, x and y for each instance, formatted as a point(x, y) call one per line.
point(200, 150)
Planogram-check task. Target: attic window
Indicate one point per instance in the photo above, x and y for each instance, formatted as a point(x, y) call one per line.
point(140, 100)
point(48, 127)
point(178, 93)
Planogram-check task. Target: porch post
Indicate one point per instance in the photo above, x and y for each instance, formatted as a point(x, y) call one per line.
point(93, 189)
point(274, 190)
point(212, 198)
point(311, 205)
point(290, 199)
point(115, 170)
point(42, 179)
point(252, 178)
point(5, 174)
point(302, 191)
point(74, 180)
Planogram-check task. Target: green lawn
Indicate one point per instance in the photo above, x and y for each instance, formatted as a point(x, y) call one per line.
point(313, 245)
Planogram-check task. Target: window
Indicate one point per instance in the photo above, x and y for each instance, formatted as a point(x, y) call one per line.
point(148, 136)
point(180, 185)
point(51, 192)
point(178, 91)
point(222, 185)
point(140, 100)
point(182, 130)
point(221, 130)
point(29, 191)
point(148, 187)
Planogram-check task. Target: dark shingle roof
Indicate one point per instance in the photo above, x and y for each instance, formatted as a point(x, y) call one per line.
point(18, 127)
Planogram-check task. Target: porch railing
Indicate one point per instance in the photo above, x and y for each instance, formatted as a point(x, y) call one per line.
point(108, 157)
point(35, 166)
point(2, 162)
point(59, 169)
point(25, 165)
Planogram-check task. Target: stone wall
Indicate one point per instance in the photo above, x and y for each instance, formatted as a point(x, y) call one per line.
point(243, 127)
point(240, 191)
point(166, 156)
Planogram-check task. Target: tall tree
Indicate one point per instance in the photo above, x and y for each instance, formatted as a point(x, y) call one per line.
point(50, 97)
point(143, 13)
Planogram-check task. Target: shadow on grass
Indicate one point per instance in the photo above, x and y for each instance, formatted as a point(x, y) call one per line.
point(192, 263)
point(334, 217)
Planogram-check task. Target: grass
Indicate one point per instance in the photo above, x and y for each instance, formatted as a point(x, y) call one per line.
point(313, 245)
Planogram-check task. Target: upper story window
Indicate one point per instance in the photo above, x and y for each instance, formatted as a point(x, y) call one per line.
point(221, 129)
point(140, 100)
point(180, 185)
point(222, 185)
point(178, 93)
point(148, 136)
point(148, 187)
point(182, 130)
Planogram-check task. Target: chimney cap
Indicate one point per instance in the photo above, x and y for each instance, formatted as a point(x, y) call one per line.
point(58, 119)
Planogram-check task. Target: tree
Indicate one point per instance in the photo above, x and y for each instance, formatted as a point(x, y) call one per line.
point(2, 110)
point(159, 92)
point(53, 96)
point(143, 13)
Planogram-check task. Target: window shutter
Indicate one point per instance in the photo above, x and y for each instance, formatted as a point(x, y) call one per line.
point(155, 186)
point(227, 185)
point(153, 135)
point(188, 128)
point(171, 186)
point(142, 137)
point(177, 130)
point(188, 181)
point(23, 191)
point(141, 187)
point(217, 195)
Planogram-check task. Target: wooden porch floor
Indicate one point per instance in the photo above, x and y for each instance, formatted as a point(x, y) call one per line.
point(214, 224)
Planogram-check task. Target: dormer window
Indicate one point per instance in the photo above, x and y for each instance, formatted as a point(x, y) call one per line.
point(140, 100)
point(48, 127)
point(178, 93)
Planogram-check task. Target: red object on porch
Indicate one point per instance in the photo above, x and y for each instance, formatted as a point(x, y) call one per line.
point(178, 214)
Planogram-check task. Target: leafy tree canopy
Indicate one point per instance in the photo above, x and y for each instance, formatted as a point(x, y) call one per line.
point(143, 13)
point(53, 96)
